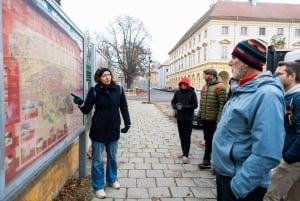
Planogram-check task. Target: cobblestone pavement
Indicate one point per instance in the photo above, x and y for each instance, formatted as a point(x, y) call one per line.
point(149, 169)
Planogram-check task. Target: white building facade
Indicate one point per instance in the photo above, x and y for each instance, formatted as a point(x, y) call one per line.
point(163, 73)
point(210, 41)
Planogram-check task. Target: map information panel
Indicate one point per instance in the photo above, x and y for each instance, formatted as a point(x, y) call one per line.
point(43, 64)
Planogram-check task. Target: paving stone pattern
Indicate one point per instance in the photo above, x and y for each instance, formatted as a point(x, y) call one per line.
point(149, 168)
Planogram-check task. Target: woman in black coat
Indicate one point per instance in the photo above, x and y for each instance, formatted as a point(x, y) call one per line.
point(109, 99)
point(184, 103)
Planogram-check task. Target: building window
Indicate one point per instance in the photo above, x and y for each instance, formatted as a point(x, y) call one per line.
point(199, 56)
point(205, 33)
point(199, 37)
point(204, 54)
point(280, 31)
point(243, 30)
point(262, 31)
point(224, 52)
point(297, 32)
point(224, 29)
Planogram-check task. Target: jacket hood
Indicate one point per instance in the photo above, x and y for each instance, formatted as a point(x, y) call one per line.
point(293, 90)
point(186, 81)
point(259, 81)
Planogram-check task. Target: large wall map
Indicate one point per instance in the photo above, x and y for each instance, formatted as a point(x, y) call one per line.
point(42, 66)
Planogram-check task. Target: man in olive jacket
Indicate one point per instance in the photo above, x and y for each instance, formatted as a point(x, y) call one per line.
point(213, 96)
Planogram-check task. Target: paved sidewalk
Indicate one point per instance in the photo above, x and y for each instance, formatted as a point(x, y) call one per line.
point(149, 169)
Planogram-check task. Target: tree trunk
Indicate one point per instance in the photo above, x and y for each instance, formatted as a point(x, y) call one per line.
point(129, 83)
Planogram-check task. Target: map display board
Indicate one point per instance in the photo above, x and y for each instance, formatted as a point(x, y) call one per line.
point(43, 64)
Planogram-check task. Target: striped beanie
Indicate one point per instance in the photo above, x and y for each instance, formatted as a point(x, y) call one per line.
point(251, 52)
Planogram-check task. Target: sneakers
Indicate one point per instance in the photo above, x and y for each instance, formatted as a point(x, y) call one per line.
point(180, 156)
point(115, 185)
point(185, 160)
point(204, 165)
point(100, 193)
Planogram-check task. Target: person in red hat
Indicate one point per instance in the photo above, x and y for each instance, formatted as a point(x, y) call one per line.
point(184, 102)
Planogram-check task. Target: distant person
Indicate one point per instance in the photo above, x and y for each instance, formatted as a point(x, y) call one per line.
point(288, 171)
point(248, 140)
point(185, 102)
point(213, 96)
point(109, 99)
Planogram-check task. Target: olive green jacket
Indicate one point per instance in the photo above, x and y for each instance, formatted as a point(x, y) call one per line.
point(212, 101)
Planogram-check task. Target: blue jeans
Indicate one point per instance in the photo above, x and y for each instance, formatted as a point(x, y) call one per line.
point(98, 163)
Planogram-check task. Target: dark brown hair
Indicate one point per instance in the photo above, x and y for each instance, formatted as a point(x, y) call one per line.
point(291, 67)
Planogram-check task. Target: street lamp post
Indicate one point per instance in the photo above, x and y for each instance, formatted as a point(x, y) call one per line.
point(149, 78)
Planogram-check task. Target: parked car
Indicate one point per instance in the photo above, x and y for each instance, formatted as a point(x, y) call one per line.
point(197, 122)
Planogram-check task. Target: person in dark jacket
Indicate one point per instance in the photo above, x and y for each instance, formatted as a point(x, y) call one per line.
point(184, 102)
point(109, 99)
point(213, 96)
point(288, 171)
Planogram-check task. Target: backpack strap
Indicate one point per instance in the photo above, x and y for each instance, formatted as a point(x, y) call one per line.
point(217, 90)
point(94, 92)
point(218, 86)
point(120, 88)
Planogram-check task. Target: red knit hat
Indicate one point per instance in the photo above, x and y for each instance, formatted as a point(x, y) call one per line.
point(186, 81)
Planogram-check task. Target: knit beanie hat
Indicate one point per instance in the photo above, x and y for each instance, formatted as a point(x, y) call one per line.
point(186, 81)
point(102, 70)
point(251, 52)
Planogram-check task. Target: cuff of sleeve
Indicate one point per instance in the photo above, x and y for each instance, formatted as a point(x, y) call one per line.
point(234, 191)
point(81, 105)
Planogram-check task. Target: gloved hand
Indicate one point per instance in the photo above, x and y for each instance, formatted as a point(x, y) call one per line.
point(125, 129)
point(77, 100)
point(179, 106)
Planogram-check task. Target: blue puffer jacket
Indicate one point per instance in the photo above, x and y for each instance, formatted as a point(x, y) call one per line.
point(249, 138)
point(109, 101)
point(291, 150)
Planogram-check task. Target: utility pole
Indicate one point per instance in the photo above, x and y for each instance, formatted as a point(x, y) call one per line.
point(149, 78)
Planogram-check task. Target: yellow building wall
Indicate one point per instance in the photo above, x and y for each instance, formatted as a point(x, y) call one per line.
point(195, 74)
point(49, 183)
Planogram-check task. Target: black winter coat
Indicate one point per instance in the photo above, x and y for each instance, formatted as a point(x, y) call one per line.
point(188, 99)
point(106, 121)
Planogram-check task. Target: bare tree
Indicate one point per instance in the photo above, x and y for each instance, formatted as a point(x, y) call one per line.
point(125, 47)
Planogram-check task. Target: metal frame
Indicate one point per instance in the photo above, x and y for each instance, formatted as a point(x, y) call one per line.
point(7, 190)
point(2, 113)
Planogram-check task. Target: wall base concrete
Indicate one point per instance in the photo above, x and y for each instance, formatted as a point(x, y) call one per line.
point(50, 181)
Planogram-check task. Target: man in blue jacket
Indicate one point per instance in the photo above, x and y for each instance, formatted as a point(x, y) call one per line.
point(288, 171)
point(249, 138)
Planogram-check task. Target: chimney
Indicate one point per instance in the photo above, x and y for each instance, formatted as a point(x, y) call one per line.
point(253, 2)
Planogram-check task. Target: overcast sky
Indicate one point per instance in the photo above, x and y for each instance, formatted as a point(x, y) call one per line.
point(165, 20)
